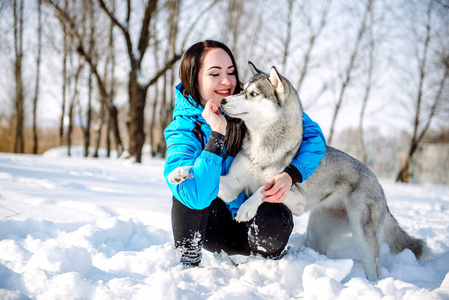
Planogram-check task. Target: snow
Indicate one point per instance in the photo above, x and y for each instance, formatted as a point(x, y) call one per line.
point(77, 228)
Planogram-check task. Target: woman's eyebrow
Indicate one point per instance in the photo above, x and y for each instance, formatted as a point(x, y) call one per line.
point(217, 67)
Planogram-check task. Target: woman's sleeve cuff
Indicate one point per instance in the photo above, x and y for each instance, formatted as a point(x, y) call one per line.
point(294, 173)
point(216, 143)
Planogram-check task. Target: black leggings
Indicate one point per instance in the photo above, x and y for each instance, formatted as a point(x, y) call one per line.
point(214, 229)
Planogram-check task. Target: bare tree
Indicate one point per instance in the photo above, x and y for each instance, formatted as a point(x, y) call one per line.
point(157, 107)
point(351, 64)
point(19, 94)
point(288, 38)
point(65, 50)
point(111, 56)
point(314, 34)
point(38, 64)
point(109, 68)
point(109, 74)
point(73, 101)
point(138, 86)
point(423, 117)
point(71, 28)
point(92, 53)
point(167, 103)
point(232, 24)
point(368, 88)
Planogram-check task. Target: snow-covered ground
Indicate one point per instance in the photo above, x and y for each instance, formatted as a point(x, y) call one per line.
point(75, 228)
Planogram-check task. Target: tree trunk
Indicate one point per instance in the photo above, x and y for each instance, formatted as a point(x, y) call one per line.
point(86, 129)
point(288, 37)
point(161, 149)
point(70, 127)
point(403, 175)
point(72, 109)
point(111, 55)
point(64, 79)
point(367, 90)
point(136, 118)
point(153, 144)
point(19, 97)
point(108, 137)
point(38, 63)
point(98, 128)
point(113, 114)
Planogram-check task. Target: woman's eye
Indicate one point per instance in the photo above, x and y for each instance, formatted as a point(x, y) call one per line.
point(253, 94)
point(214, 75)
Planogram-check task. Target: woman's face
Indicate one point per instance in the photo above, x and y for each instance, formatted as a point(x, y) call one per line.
point(216, 77)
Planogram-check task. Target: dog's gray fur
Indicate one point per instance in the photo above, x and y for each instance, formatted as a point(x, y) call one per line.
point(342, 194)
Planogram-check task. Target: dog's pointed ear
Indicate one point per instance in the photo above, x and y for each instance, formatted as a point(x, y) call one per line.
point(275, 79)
point(253, 68)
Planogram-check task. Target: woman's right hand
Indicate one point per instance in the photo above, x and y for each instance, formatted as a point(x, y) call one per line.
point(214, 118)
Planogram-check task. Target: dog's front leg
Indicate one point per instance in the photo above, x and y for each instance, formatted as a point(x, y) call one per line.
point(232, 184)
point(229, 188)
point(296, 200)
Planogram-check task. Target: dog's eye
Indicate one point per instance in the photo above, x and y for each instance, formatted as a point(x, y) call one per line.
point(253, 94)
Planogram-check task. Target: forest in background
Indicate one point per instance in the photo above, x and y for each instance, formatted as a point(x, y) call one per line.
point(102, 72)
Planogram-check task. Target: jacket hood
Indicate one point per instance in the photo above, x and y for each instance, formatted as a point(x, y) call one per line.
point(186, 107)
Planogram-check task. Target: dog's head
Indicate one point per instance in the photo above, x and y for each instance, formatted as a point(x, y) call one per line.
point(265, 98)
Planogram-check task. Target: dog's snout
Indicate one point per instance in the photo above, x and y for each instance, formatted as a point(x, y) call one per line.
point(223, 101)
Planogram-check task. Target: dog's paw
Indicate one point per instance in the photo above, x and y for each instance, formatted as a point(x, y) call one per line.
point(246, 212)
point(249, 208)
point(180, 175)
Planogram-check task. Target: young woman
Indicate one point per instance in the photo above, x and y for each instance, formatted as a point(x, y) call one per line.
point(202, 137)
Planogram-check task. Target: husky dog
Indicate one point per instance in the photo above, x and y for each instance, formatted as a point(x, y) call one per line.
point(343, 195)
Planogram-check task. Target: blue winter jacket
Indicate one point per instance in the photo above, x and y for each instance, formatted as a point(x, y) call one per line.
point(185, 149)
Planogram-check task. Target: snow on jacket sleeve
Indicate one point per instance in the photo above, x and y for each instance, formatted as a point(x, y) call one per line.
point(312, 150)
point(184, 149)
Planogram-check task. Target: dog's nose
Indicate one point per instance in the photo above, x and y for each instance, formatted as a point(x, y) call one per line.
point(223, 101)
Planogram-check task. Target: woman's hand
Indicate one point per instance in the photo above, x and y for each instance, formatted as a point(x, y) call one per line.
point(214, 118)
point(277, 188)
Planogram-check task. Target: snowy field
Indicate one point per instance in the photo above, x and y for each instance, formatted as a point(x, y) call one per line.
point(74, 228)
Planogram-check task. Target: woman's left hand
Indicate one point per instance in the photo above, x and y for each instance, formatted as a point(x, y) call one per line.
point(277, 188)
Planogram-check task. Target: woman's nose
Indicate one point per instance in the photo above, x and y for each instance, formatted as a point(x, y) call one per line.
point(226, 80)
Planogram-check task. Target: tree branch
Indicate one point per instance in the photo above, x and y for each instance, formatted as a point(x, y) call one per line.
point(145, 31)
point(122, 27)
point(80, 49)
point(193, 24)
point(168, 66)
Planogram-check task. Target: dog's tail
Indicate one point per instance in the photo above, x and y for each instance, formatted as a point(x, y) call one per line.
point(399, 240)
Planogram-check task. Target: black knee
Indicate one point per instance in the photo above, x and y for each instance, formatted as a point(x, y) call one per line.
point(270, 229)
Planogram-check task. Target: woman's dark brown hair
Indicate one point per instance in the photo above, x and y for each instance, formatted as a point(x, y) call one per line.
point(190, 64)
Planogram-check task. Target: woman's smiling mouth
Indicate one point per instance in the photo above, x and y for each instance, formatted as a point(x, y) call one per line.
point(224, 92)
